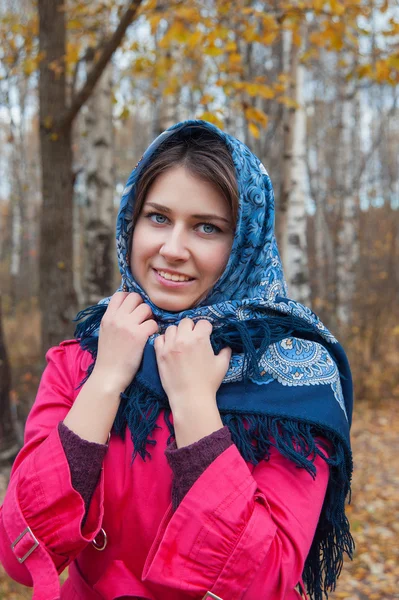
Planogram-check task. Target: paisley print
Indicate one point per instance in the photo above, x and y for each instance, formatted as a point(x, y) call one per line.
point(253, 282)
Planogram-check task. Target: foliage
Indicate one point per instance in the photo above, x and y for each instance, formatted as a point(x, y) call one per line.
point(204, 48)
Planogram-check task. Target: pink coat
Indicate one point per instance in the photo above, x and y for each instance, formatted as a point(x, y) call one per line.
point(240, 532)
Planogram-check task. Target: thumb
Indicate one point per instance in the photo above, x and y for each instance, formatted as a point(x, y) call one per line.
point(223, 358)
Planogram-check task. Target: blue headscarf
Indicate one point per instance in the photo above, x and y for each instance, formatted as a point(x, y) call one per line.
point(288, 382)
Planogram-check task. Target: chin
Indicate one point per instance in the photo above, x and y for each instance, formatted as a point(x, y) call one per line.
point(172, 304)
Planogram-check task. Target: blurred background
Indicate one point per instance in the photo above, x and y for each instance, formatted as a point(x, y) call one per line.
point(311, 86)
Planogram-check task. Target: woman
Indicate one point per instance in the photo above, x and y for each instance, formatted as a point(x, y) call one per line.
point(232, 478)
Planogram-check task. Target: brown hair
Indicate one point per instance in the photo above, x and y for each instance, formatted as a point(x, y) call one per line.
point(203, 154)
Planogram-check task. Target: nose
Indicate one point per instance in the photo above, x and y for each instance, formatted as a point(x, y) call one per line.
point(175, 247)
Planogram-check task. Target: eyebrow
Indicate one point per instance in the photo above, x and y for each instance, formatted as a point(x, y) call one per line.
point(200, 216)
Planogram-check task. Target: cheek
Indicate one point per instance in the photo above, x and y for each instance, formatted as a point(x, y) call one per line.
point(139, 249)
point(216, 260)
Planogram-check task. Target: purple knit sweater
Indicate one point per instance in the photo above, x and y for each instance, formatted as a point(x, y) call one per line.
point(187, 463)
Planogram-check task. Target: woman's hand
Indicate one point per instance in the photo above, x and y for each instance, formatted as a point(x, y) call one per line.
point(125, 328)
point(191, 374)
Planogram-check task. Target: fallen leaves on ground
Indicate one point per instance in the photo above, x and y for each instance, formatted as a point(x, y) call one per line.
point(373, 513)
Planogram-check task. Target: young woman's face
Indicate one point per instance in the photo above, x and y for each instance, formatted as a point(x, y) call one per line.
point(184, 229)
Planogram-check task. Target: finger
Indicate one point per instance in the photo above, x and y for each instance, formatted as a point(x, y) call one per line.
point(140, 314)
point(131, 302)
point(185, 326)
point(149, 327)
point(223, 358)
point(159, 342)
point(116, 301)
point(225, 353)
point(203, 328)
point(170, 333)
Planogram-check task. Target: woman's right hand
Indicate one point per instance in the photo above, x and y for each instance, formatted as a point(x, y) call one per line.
point(124, 331)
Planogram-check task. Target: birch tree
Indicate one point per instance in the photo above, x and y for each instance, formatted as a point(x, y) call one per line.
point(292, 214)
point(347, 255)
point(98, 233)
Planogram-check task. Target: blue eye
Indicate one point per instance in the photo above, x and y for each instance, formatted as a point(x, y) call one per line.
point(160, 219)
point(213, 228)
point(156, 215)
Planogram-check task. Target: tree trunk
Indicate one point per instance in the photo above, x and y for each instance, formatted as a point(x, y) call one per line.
point(348, 246)
point(57, 295)
point(8, 440)
point(293, 219)
point(99, 228)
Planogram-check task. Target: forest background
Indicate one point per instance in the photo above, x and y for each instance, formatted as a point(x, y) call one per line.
point(311, 86)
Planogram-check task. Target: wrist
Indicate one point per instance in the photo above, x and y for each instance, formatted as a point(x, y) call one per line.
point(194, 423)
point(106, 383)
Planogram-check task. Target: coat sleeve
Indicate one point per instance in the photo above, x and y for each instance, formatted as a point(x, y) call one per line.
point(240, 534)
point(41, 517)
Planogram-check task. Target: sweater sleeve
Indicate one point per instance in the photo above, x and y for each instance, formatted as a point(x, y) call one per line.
point(85, 461)
point(189, 462)
point(240, 531)
point(41, 519)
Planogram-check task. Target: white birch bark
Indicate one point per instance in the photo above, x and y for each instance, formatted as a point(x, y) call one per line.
point(348, 245)
point(293, 234)
point(99, 168)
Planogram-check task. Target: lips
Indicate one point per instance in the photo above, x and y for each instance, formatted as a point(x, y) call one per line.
point(171, 273)
point(170, 283)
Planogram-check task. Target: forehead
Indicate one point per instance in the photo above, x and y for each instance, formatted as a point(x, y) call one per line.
point(183, 192)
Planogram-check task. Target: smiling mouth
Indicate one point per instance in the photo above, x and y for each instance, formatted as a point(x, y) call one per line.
point(174, 278)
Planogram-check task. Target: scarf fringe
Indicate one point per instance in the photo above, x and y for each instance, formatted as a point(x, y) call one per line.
point(251, 337)
point(253, 434)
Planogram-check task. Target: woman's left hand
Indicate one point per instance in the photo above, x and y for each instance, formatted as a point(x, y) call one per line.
point(190, 372)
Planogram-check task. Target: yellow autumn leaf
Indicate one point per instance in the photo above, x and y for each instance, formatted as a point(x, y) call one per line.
point(288, 102)
point(48, 122)
point(318, 5)
point(206, 99)
point(235, 58)
point(213, 51)
point(317, 38)
point(255, 114)
point(230, 47)
point(254, 130)
point(393, 61)
point(250, 34)
point(172, 87)
point(279, 87)
point(364, 71)
point(268, 38)
point(194, 39)
point(221, 32)
point(72, 55)
point(269, 22)
point(75, 24)
point(337, 7)
point(177, 32)
point(29, 66)
point(154, 21)
point(296, 38)
point(188, 13)
point(266, 92)
point(382, 71)
point(125, 114)
point(208, 116)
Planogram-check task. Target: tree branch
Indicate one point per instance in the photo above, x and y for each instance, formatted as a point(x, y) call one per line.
point(83, 95)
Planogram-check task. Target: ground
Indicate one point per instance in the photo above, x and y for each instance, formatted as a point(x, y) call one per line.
point(374, 511)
